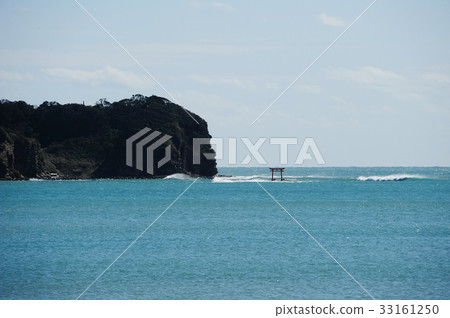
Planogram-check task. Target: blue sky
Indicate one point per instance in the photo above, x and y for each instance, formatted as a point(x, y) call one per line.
point(380, 96)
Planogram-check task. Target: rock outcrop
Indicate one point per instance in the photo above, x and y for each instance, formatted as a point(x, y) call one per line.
point(75, 141)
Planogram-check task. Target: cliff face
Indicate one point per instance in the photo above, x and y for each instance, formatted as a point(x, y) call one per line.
point(77, 141)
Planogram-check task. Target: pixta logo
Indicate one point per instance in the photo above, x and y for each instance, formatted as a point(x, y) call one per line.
point(307, 151)
point(142, 146)
point(144, 143)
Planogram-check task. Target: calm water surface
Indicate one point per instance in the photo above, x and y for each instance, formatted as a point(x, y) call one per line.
point(227, 239)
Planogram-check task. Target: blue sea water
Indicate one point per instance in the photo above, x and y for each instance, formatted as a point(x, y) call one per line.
point(228, 239)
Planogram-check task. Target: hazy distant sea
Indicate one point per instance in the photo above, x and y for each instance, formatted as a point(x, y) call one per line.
point(227, 239)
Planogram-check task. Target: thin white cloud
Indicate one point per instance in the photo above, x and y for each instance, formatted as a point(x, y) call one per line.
point(367, 75)
point(214, 4)
point(339, 100)
point(437, 77)
point(272, 86)
point(223, 6)
point(332, 21)
point(76, 75)
point(6, 76)
point(194, 48)
point(106, 74)
point(241, 82)
point(384, 81)
point(309, 89)
point(237, 82)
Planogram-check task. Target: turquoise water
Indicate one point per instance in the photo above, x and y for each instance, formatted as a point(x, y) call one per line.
point(227, 239)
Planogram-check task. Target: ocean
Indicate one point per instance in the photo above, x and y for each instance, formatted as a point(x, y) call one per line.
point(323, 233)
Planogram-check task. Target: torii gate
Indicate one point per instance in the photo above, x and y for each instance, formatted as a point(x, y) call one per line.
point(277, 170)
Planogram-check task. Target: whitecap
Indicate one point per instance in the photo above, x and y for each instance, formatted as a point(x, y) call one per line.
point(254, 178)
point(391, 177)
point(179, 176)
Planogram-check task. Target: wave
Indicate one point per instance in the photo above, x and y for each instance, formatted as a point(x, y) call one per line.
point(314, 178)
point(179, 176)
point(59, 180)
point(391, 177)
point(254, 178)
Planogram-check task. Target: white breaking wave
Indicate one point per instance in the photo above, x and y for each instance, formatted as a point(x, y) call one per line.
point(179, 176)
point(63, 180)
point(254, 178)
point(391, 177)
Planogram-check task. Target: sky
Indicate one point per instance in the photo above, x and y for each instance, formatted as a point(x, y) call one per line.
point(379, 96)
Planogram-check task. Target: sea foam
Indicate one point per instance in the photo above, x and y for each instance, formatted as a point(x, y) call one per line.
point(391, 177)
point(253, 178)
point(179, 176)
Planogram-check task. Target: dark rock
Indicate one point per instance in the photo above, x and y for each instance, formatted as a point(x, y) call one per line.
point(77, 141)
